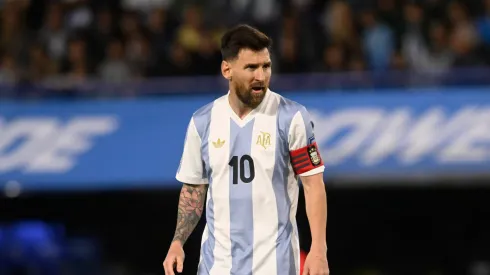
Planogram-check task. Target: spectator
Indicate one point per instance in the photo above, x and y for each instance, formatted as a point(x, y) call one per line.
point(53, 34)
point(79, 16)
point(158, 32)
point(339, 28)
point(145, 6)
point(14, 37)
point(433, 57)
point(102, 32)
point(378, 42)
point(207, 59)
point(290, 60)
point(190, 32)
point(179, 62)
point(40, 65)
point(483, 23)
point(76, 64)
point(333, 59)
point(8, 70)
point(464, 38)
point(115, 69)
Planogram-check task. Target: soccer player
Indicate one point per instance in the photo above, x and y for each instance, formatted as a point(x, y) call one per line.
point(243, 155)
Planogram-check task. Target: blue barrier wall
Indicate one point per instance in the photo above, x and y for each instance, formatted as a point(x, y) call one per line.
point(137, 143)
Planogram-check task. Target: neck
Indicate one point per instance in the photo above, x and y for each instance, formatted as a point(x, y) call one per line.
point(237, 105)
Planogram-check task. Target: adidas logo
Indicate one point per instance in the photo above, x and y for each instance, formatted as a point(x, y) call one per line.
point(219, 143)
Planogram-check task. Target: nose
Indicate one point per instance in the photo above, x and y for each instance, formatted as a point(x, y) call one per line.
point(259, 74)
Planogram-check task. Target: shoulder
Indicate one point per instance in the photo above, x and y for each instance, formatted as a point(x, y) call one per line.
point(205, 111)
point(290, 114)
point(288, 108)
point(202, 116)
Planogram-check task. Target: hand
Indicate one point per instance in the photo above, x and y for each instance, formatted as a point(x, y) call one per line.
point(316, 264)
point(175, 258)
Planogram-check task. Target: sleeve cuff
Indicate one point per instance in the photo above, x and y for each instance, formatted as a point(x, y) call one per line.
point(313, 171)
point(191, 180)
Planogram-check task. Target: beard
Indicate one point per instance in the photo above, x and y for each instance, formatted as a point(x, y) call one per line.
point(251, 96)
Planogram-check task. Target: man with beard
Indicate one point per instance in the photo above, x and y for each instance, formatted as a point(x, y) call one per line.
point(246, 151)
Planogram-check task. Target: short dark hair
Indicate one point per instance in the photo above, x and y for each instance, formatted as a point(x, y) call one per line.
point(243, 37)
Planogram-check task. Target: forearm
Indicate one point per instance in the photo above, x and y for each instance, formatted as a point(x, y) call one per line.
point(191, 204)
point(316, 210)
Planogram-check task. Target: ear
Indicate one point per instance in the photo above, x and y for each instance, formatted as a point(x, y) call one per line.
point(226, 69)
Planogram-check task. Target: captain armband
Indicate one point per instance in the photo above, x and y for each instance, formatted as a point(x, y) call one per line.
point(306, 158)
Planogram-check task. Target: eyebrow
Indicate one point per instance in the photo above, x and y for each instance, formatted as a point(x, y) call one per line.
point(257, 64)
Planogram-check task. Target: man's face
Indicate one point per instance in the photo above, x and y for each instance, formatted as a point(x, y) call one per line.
point(251, 74)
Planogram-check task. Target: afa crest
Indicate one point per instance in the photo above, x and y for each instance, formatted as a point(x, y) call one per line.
point(264, 140)
point(314, 155)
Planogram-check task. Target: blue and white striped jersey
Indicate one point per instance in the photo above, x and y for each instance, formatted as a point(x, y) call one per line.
point(252, 167)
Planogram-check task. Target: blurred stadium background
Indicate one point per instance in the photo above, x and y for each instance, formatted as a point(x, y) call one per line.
point(96, 96)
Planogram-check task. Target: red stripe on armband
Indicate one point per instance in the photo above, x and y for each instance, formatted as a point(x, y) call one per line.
point(306, 158)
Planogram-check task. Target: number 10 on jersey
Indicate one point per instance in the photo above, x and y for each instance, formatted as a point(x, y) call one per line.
point(239, 168)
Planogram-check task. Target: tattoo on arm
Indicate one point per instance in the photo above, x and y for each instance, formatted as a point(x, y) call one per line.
point(191, 204)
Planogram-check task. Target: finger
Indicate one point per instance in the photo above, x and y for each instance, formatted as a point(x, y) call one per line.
point(180, 264)
point(165, 268)
point(169, 266)
point(169, 270)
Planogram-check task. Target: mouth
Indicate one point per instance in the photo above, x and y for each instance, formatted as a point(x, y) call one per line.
point(258, 88)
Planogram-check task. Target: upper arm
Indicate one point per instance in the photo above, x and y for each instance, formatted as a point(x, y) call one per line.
point(311, 181)
point(305, 154)
point(191, 167)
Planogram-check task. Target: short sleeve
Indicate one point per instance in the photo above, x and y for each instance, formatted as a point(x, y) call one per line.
point(191, 170)
point(304, 151)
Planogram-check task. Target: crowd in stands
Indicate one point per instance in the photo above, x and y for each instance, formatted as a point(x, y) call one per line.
point(115, 41)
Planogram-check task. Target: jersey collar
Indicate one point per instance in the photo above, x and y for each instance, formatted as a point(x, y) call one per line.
point(242, 122)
